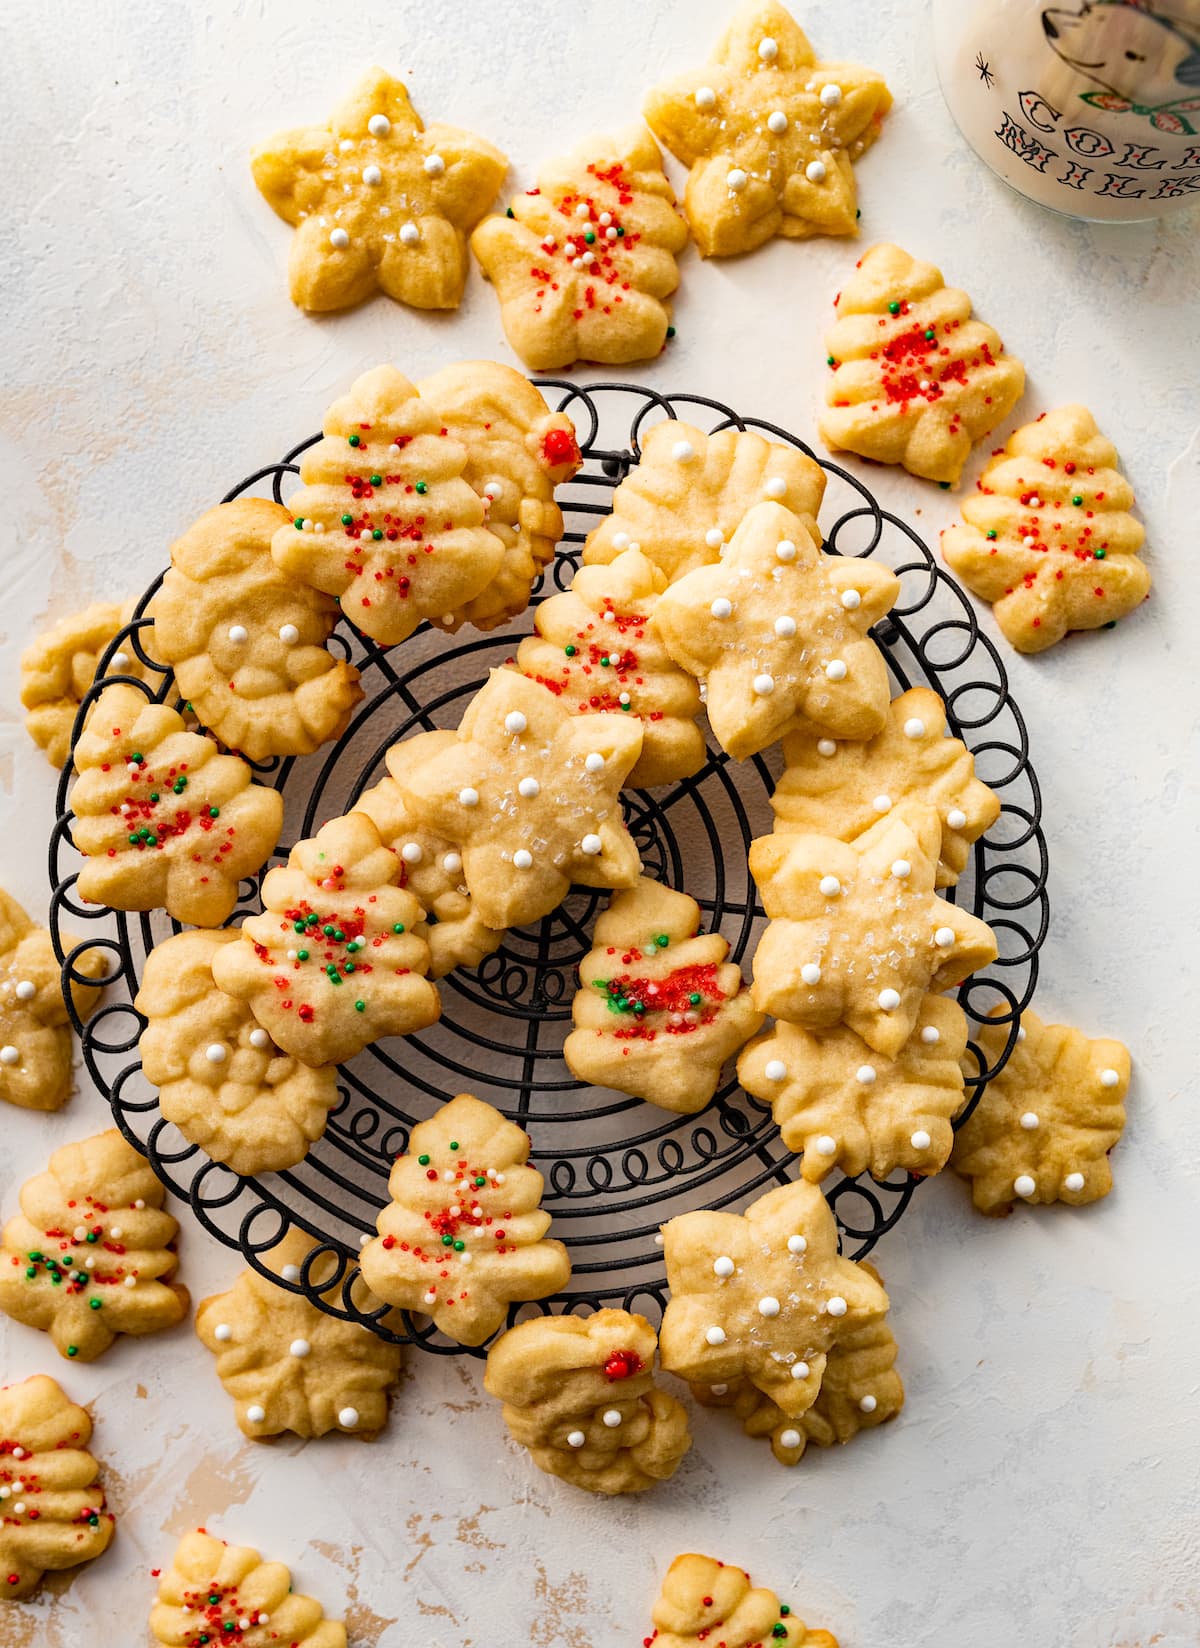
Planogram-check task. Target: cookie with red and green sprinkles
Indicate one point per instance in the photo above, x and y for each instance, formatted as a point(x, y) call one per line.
point(214, 1592)
point(704, 1601)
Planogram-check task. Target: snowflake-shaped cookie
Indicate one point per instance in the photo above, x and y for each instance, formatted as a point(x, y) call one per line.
point(584, 263)
point(769, 134)
point(1047, 537)
point(579, 1392)
point(659, 1009)
point(464, 1233)
point(778, 630)
point(35, 1029)
point(532, 795)
point(1043, 1128)
point(214, 1593)
point(380, 202)
point(709, 1604)
point(91, 1253)
point(913, 379)
point(220, 1078)
point(333, 962)
point(597, 647)
point(60, 665)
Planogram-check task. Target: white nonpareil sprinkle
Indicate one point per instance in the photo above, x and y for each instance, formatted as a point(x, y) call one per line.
point(785, 627)
point(836, 1305)
point(723, 1266)
point(522, 860)
point(797, 1244)
point(468, 797)
point(434, 165)
point(412, 852)
point(835, 670)
point(594, 762)
point(1108, 1078)
point(831, 95)
point(768, 49)
point(826, 747)
point(409, 234)
point(612, 1418)
point(216, 1053)
point(882, 803)
point(931, 1034)
point(789, 1439)
point(810, 973)
point(1024, 1185)
point(372, 176)
point(777, 122)
point(223, 1332)
point(299, 1348)
point(291, 1273)
point(348, 1420)
point(591, 845)
point(1073, 1181)
point(815, 171)
point(515, 723)
point(956, 818)
point(851, 600)
point(914, 728)
point(889, 1000)
point(339, 239)
point(683, 451)
point(238, 633)
point(826, 1145)
point(714, 537)
point(901, 869)
point(775, 1070)
point(119, 661)
point(256, 1414)
point(289, 635)
point(379, 125)
point(1030, 1121)
point(768, 1305)
point(764, 684)
point(830, 886)
point(529, 787)
point(575, 1439)
point(452, 863)
point(920, 1140)
point(736, 180)
point(800, 1370)
point(785, 549)
point(493, 489)
point(944, 937)
point(705, 97)
point(714, 1336)
point(868, 1404)
point(865, 1074)
point(721, 607)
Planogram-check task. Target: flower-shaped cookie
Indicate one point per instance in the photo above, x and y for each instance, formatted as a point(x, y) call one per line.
point(290, 1366)
point(913, 379)
point(53, 1516)
point(332, 963)
point(532, 795)
point(165, 821)
point(214, 1592)
point(221, 1080)
point(763, 1295)
point(778, 629)
point(35, 1030)
point(246, 642)
point(1047, 537)
point(464, 1233)
point(380, 202)
point(689, 492)
point(60, 665)
point(1044, 1126)
point(597, 647)
point(659, 1009)
point(91, 1253)
point(583, 264)
point(856, 934)
point(841, 789)
point(386, 519)
point(518, 451)
point(709, 1604)
point(769, 134)
point(579, 1393)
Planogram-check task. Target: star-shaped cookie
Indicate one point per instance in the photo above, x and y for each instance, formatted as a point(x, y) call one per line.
point(709, 1604)
point(214, 1592)
point(380, 202)
point(35, 1029)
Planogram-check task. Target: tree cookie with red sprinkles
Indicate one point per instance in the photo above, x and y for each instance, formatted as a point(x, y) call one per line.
point(660, 1009)
point(584, 263)
point(59, 666)
point(913, 379)
point(35, 1029)
point(580, 1393)
point(214, 1592)
point(333, 963)
point(1047, 536)
point(464, 1234)
point(54, 1514)
point(92, 1254)
point(709, 1604)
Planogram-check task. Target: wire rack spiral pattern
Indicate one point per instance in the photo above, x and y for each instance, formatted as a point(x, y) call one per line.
point(615, 1168)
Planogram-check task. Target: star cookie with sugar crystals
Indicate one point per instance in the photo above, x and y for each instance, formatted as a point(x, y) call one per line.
point(778, 630)
point(464, 1233)
point(379, 201)
point(1043, 1128)
point(213, 1590)
point(59, 666)
point(1047, 536)
point(35, 1028)
point(913, 380)
point(704, 1602)
point(769, 134)
point(583, 264)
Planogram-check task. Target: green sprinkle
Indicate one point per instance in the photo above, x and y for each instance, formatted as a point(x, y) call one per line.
point(590, 238)
point(784, 1608)
point(356, 440)
point(70, 1258)
point(336, 978)
point(459, 1246)
point(137, 756)
point(670, 331)
point(1099, 553)
point(301, 955)
point(134, 839)
point(360, 1006)
point(929, 335)
point(424, 1160)
point(779, 1630)
point(93, 1521)
point(893, 307)
point(480, 1182)
point(1077, 499)
point(570, 651)
point(31, 1272)
point(90, 1237)
point(621, 236)
point(328, 929)
point(349, 966)
point(339, 935)
point(508, 212)
point(604, 663)
point(347, 520)
point(214, 812)
point(154, 795)
point(398, 927)
point(72, 1350)
point(661, 940)
point(298, 523)
point(829, 361)
point(695, 998)
point(597, 984)
point(991, 532)
point(300, 926)
point(95, 1303)
point(1112, 624)
point(377, 533)
point(447, 1241)
point(312, 918)
point(454, 1144)
point(36, 1256)
point(422, 486)
point(376, 480)
point(945, 485)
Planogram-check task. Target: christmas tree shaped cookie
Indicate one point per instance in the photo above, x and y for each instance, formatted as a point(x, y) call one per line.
point(91, 1253)
point(1043, 1128)
point(35, 1029)
point(584, 263)
point(379, 201)
point(59, 666)
point(53, 1516)
point(332, 963)
point(214, 1592)
point(1047, 537)
point(386, 519)
point(579, 1392)
point(913, 380)
point(769, 134)
point(165, 821)
point(706, 1602)
point(597, 648)
point(660, 1009)
point(464, 1233)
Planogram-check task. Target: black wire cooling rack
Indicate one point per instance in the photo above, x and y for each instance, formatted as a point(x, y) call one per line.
point(615, 1168)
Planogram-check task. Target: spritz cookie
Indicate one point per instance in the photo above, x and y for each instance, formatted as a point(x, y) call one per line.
point(35, 1028)
point(709, 1604)
point(214, 1592)
point(59, 666)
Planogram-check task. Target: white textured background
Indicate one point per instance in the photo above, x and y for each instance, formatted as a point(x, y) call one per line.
point(1040, 1487)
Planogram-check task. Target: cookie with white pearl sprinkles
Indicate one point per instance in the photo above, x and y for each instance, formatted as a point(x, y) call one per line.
point(913, 379)
point(778, 631)
point(580, 1393)
point(763, 1295)
point(333, 962)
point(464, 1234)
point(532, 794)
point(91, 1254)
point(840, 1104)
point(59, 666)
point(379, 201)
point(214, 1592)
point(1047, 536)
point(856, 934)
point(221, 1080)
point(246, 641)
point(35, 1030)
point(597, 648)
point(689, 492)
point(584, 262)
point(164, 820)
point(709, 1604)
point(660, 1009)
point(770, 134)
point(1044, 1127)
point(53, 1514)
